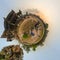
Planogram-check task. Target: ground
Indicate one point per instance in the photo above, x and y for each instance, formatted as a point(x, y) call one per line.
point(31, 30)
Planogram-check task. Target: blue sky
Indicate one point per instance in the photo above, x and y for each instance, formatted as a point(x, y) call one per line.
point(51, 11)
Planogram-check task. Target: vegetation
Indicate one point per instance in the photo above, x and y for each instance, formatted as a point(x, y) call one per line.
point(25, 36)
point(11, 53)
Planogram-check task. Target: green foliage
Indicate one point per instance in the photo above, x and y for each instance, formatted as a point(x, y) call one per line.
point(34, 47)
point(46, 26)
point(25, 36)
point(27, 48)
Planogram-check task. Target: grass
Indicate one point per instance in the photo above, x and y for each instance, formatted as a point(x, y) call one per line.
point(25, 36)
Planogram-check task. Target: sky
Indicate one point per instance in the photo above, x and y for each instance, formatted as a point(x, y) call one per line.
point(49, 11)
